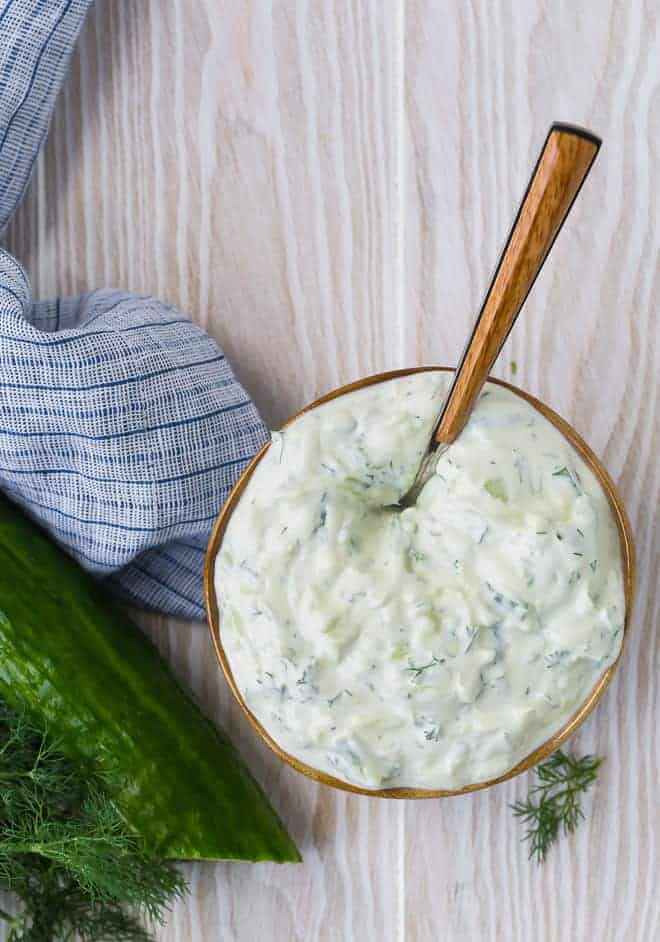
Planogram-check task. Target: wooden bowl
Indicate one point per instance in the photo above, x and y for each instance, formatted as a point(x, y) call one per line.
point(548, 747)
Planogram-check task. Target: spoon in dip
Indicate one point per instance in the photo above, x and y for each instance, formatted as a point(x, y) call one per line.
point(445, 649)
point(562, 167)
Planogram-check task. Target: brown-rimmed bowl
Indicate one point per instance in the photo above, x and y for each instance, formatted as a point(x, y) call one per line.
point(551, 744)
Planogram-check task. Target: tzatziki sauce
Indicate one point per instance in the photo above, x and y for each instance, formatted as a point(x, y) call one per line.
point(430, 648)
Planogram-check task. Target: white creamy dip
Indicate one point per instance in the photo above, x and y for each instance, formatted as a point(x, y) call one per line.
point(435, 647)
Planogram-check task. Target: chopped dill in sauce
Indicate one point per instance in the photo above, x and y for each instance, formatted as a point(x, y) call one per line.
point(430, 648)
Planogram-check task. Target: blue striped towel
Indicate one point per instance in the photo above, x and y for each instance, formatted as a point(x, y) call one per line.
point(122, 426)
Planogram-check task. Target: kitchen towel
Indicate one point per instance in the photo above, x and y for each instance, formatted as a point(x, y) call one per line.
point(122, 425)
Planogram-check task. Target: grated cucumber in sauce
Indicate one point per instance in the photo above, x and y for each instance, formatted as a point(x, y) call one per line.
point(431, 648)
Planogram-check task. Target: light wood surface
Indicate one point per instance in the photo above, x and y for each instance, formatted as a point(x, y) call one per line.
point(325, 187)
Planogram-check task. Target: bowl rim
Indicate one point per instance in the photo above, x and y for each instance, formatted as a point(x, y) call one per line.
point(553, 742)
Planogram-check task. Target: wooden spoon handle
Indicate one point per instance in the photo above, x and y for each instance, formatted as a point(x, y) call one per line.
point(565, 160)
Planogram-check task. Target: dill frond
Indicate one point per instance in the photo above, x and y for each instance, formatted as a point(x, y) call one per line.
point(553, 804)
point(66, 852)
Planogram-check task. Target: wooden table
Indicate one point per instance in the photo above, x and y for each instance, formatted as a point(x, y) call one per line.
point(325, 186)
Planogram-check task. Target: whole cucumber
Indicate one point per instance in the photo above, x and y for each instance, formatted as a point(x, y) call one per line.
point(74, 659)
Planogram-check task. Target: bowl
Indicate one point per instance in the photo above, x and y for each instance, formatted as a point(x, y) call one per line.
point(551, 744)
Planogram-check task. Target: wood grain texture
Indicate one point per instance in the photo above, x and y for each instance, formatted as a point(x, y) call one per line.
point(326, 188)
point(482, 85)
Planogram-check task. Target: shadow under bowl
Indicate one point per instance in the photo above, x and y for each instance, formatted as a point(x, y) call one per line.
point(551, 744)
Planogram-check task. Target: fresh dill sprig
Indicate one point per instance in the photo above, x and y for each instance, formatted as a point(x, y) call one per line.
point(66, 852)
point(553, 805)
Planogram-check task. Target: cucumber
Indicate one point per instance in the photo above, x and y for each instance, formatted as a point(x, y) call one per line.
point(73, 659)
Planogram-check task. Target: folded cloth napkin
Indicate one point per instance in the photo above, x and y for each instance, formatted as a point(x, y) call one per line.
point(122, 426)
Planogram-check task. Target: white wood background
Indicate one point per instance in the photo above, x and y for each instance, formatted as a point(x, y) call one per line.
point(325, 187)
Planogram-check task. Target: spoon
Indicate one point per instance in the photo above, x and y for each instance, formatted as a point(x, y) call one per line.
point(561, 169)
